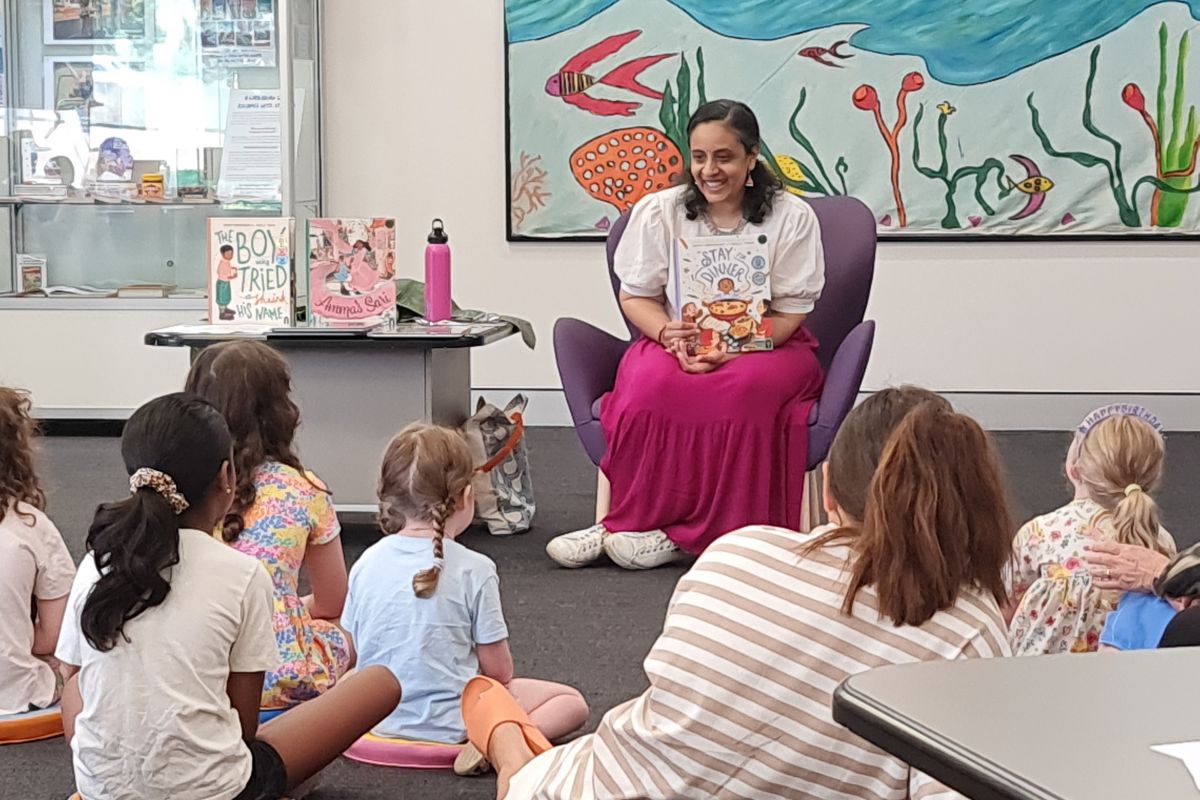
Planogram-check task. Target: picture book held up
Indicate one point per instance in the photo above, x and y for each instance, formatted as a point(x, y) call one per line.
point(723, 284)
point(351, 271)
point(250, 270)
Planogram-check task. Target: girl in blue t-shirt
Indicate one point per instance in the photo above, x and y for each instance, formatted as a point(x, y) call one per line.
point(445, 625)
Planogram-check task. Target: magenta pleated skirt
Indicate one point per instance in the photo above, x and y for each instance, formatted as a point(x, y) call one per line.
point(701, 455)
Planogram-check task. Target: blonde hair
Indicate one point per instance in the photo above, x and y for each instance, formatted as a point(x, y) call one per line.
point(1120, 462)
point(426, 468)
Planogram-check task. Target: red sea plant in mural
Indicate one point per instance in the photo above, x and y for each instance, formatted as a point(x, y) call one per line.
point(623, 166)
point(866, 98)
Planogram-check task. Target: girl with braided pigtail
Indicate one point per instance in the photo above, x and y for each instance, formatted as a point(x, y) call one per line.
point(446, 625)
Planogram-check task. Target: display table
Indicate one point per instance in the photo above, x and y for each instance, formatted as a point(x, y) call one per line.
point(356, 389)
point(1070, 727)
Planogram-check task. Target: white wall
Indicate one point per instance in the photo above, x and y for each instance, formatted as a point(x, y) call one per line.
point(415, 127)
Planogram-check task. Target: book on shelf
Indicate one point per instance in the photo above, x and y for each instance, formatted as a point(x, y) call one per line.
point(33, 271)
point(41, 191)
point(250, 276)
point(723, 284)
point(69, 291)
point(146, 290)
point(351, 271)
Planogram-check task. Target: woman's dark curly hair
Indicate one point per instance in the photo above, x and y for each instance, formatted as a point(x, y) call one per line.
point(738, 117)
point(251, 385)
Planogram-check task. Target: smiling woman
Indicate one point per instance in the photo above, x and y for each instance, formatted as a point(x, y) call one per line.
point(699, 438)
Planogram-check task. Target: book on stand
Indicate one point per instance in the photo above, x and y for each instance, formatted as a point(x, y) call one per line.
point(33, 271)
point(250, 276)
point(351, 271)
point(723, 284)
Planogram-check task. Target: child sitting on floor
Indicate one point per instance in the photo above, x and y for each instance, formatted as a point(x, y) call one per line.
point(282, 515)
point(168, 633)
point(1115, 462)
point(429, 608)
point(35, 569)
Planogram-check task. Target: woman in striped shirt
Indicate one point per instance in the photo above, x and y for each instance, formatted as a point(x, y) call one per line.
point(768, 622)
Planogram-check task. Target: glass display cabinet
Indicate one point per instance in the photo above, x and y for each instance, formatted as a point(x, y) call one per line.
point(127, 124)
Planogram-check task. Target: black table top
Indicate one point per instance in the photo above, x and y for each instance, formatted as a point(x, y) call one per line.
point(196, 336)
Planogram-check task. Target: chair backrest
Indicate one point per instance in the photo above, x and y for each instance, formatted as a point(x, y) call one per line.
point(848, 238)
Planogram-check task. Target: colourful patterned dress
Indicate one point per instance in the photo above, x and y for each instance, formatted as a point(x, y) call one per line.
point(289, 514)
point(1059, 611)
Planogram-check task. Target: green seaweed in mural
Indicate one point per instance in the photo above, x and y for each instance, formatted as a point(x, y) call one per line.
point(1126, 200)
point(676, 108)
point(950, 181)
point(1177, 161)
point(797, 175)
point(1116, 179)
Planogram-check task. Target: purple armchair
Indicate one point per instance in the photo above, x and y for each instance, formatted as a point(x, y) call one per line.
point(587, 357)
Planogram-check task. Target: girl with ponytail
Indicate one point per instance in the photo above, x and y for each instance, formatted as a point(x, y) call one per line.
point(1115, 463)
point(168, 632)
point(429, 608)
point(282, 515)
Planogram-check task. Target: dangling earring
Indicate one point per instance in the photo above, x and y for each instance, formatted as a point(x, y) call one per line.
point(749, 179)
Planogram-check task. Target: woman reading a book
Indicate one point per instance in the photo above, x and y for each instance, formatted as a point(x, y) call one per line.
point(707, 414)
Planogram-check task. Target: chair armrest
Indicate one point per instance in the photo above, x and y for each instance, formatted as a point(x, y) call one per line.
point(587, 360)
point(842, 384)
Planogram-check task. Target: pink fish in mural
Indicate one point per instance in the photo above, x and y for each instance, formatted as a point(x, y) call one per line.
point(571, 82)
point(819, 54)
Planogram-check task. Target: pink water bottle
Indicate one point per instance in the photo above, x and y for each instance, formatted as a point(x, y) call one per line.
point(437, 275)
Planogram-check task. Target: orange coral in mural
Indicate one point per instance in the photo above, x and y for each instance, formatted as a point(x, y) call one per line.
point(623, 166)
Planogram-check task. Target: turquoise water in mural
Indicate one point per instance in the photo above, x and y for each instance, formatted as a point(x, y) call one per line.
point(963, 42)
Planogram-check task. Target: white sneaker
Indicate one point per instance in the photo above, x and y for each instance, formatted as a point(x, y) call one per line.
point(642, 550)
point(578, 548)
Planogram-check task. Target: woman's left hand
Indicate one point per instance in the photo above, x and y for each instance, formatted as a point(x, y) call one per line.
point(701, 364)
point(1123, 567)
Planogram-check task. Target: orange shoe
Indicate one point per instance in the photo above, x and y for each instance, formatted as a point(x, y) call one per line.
point(486, 704)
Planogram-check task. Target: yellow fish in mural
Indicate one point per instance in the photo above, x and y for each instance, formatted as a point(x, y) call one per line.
point(1034, 185)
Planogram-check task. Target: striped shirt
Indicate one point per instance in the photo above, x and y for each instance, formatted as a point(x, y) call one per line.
point(741, 682)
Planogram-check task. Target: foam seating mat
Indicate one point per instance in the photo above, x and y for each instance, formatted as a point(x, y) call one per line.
point(32, 726)
point(385, 751)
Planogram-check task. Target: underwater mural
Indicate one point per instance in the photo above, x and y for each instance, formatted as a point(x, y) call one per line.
point(964, 117)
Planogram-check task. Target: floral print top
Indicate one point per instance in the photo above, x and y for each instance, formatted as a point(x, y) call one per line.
point(292, 511)
point(1058, 609)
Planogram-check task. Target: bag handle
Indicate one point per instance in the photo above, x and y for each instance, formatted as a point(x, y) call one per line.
point(507, 450)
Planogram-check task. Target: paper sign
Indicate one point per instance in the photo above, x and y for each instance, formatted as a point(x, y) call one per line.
point(252, 164)
point(1187, 752)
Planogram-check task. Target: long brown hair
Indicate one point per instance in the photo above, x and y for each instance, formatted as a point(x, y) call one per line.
point(426, 468)
point(251, 385)
point(936, 521)
point(18, 479)
point(859, 443)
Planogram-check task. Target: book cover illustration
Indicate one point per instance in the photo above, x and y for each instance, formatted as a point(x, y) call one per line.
point(33, 272)
point(250, 270)
point(351, 271)
point(722, 283)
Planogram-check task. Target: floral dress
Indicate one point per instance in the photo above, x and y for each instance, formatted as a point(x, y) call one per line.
point(1058, 609)
point(290, 512)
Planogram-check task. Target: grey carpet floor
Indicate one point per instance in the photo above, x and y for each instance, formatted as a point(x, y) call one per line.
point(590, 627)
